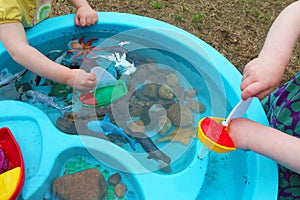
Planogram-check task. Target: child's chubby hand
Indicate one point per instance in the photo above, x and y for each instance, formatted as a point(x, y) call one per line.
point(261, 76)
point(86, 16)
point(81, 80)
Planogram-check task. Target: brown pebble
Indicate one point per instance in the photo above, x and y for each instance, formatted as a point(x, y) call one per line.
point(137, 126)
point(120, 190)
point(114, 179)
point(195, 106)
point(191, 93)
point(88, 184)
point(172, 80)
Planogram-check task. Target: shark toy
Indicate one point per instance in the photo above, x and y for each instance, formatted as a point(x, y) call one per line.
point(10, 78)
point(149, 146)
point(106, 127)
point(44, 99)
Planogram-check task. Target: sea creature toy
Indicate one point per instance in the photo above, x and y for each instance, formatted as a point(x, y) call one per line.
point(6, 80)
point(122, 62)
point(150, 148)
point(105, 126)
point(183, 135)
point(47, 101)
point(125, 66)
point(59, 58)
point(61, 91)
point(13, 176)
point(38, 81)
point(117, 49)
point(82, 49)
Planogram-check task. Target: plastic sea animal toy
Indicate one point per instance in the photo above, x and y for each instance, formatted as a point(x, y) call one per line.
point(117, 49)
point(82, 49)
point(213, 131)
point(127, 68)
point(149, 147)
point(105, 126)
point(59, 58)
point(122, 62)
point(182, 135)
point(47, 101)
point(12, 173)
point(8, 79)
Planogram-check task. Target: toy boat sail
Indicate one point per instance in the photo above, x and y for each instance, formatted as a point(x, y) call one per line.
point(12, 178)
point(108, 89)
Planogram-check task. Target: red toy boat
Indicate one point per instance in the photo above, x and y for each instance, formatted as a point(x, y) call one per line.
point(214, 135)
point(12, 173)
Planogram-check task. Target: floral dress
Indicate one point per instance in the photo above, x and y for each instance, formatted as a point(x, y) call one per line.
point(283, 111)
point(28, 12)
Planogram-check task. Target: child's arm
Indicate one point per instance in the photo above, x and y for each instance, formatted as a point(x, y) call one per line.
point(279, 146)
point(85, 15)
point(14, 39)
point(263, 74)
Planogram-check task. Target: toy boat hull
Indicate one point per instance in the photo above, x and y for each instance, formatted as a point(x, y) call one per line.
point(214, 135)
point(11, 181)
point(104, 95)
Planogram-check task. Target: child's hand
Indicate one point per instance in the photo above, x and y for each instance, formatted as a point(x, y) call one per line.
point(86, 16)
point(81, 80)
point(261, 77)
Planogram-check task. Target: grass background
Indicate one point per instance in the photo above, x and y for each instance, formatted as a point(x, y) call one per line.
point(236, 28)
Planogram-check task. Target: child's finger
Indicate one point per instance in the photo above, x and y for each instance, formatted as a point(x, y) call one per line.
point(76, 21)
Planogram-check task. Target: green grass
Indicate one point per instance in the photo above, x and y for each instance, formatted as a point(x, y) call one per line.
point(157, 4)
point(178, 17)
point(198, 17)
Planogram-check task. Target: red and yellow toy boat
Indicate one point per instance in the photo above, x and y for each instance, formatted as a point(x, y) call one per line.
point(12, 173)
point(214, 135)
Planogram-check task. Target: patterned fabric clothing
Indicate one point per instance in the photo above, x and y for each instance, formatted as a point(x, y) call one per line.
point(28, 12)
point(283, 111)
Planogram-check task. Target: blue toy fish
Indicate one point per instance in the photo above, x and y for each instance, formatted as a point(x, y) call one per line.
point(44, 99)
point(106, 127)
point(11, 78)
